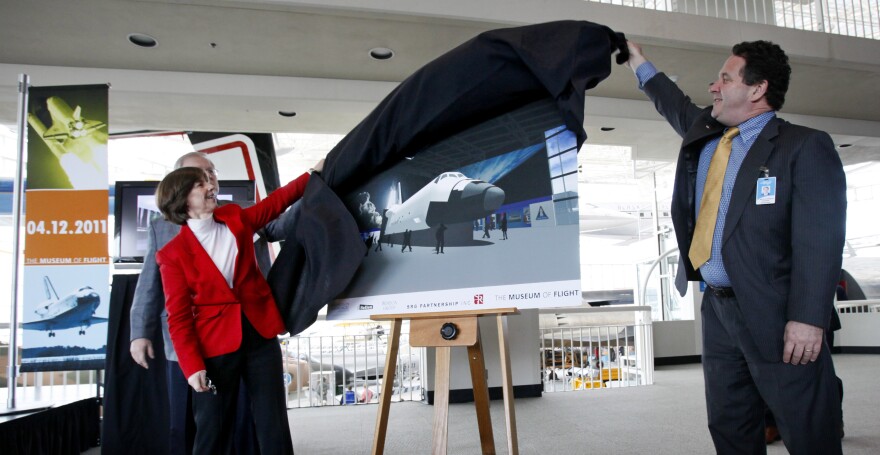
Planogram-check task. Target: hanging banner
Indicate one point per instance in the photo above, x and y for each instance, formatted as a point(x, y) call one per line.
point(66, 274)
point(487, 218)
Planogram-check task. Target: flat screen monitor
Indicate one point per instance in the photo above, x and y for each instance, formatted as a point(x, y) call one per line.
point(135, 208)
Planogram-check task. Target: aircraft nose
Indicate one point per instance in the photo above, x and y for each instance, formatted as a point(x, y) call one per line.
point(493, 197)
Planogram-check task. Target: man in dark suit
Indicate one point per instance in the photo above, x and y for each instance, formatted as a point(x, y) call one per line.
point(148, 311)
point(770, 263)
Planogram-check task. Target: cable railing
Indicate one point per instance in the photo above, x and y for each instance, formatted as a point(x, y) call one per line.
point(50, 388)
point(858, 18)
point(347, 370)
point(598, 356)
point(336, 370)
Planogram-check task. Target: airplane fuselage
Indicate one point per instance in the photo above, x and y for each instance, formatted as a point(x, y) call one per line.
point(449, 198)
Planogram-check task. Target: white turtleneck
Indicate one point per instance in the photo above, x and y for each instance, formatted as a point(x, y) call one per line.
point(219, 242)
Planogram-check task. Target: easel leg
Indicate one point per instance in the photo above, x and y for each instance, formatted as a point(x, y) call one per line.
point(441, 401)
point(387, 388)
point(507, 385)
point(481, 397)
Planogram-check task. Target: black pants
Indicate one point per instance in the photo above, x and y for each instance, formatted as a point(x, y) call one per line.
point(180, 419)
point(804, 398)
point(257, 364)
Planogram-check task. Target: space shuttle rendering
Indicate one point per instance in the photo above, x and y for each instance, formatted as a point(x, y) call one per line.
point(77, 126)
point(76, 309)
point(449, 198)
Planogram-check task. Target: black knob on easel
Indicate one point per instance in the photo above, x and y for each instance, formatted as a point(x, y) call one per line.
point(449, 331)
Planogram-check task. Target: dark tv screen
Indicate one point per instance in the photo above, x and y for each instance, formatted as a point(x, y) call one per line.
point(135, 208)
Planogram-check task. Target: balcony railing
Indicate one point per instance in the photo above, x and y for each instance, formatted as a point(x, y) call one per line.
point(347, 370)
point(859, 18)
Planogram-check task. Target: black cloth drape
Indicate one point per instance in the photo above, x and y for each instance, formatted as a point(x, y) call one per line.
point(69, 429)
point(494, 73)
point(135, 399)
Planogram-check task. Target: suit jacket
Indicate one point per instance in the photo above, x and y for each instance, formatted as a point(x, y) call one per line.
point(783, 259)
point(148, 306)
point(204, 313)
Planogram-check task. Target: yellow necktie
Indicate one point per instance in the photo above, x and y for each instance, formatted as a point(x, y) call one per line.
point(701, 244)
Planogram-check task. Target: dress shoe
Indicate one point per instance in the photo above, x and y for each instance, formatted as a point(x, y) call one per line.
point(771, 434)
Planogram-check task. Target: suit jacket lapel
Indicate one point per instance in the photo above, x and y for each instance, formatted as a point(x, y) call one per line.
point(200, 258)
point(684, 205)
point(747, 176)
point(702, 129)
point(226, 216)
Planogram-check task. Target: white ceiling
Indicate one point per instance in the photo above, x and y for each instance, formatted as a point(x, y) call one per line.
point(232, 65)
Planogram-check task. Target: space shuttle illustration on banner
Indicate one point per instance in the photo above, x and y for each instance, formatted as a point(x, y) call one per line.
point(76, 309)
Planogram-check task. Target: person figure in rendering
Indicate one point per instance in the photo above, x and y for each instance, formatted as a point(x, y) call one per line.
point(504, 226)
point(378, 242)
point(770, 269)
point(148, 311)
point(486, 229)
point(441, 238)
point(407, 241)
point(222, 317)
point(368, 242)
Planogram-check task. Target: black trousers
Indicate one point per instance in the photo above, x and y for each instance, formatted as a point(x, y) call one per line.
point(803, 398)
point(180, 419)
point(257, 364)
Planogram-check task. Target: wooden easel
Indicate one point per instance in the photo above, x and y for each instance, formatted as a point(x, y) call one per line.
point(425, 331)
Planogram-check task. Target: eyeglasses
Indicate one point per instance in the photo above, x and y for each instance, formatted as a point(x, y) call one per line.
point(213, 171)
point(211, 386)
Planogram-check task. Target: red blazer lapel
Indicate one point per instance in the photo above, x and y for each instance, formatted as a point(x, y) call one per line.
point(228, 214)
point(207, 271)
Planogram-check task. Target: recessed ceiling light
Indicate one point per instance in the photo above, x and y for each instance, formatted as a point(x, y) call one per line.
point(142, 40)
point(607, 128)
point(287, 113)
point(381, 53)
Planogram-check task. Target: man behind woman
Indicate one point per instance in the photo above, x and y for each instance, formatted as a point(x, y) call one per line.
point(222, 318)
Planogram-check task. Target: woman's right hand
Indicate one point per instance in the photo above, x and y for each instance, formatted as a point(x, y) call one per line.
point(199, 381)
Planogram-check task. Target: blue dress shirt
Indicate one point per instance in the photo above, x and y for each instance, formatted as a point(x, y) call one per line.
point(713, 271)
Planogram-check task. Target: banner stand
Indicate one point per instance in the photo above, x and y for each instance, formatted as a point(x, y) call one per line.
point(12, 371)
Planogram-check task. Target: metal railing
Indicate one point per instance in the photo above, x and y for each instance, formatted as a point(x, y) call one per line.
point(52, 387)
point(859, 18)
point(597, 357)
point(348, 370)
point(858, 306)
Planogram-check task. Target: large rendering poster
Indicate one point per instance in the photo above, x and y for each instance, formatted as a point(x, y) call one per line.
point(66, 272)
point(484, 219)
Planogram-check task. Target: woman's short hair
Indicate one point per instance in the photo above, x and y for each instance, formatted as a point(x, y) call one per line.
point(173, 191)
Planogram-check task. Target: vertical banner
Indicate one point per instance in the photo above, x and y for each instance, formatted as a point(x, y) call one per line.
point(66, 258)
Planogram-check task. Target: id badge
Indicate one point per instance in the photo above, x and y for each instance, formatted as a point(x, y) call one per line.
point(766, 191)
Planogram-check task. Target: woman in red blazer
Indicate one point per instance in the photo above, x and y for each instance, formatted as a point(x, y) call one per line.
point(221, 315)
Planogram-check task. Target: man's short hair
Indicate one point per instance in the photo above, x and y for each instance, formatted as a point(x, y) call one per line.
point(765, 61)
point(179, 163)
point(173, 190)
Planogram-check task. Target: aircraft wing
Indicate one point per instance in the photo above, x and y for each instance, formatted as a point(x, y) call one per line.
point(36, 325)
point(96, 320)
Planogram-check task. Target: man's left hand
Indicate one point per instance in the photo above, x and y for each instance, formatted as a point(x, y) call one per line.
point(803, 342)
